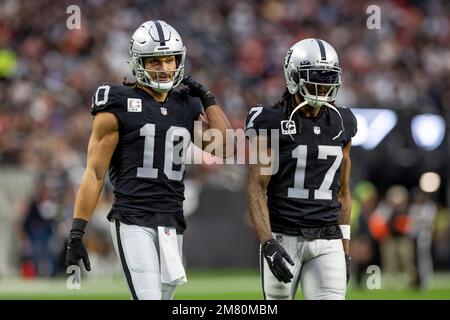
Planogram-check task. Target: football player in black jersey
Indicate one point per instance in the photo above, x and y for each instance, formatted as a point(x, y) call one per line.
point(140, 134)
point(301, 212)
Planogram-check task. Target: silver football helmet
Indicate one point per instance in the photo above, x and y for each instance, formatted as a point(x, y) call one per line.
point(311, 69)
point(155, 39)
point(311, 63)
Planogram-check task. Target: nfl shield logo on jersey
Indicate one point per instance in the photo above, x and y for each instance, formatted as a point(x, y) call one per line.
point(167, 231)
point(288, 127)
point(317, 130)
point(163, 111)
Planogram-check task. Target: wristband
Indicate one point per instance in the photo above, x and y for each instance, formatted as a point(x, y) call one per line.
point(345, 229)
point(78, 226)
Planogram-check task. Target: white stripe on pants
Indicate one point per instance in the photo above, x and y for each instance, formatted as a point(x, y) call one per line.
point(138, 251)
point(319, 267)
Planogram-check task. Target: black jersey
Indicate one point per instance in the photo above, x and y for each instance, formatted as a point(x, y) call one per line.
point(302, 196)
point(147, 167)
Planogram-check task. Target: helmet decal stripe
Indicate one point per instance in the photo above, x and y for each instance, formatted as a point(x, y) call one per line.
point(323, 55)
point(160, 33)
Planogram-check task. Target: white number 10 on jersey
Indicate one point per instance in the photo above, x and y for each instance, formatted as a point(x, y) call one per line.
point(173, 154)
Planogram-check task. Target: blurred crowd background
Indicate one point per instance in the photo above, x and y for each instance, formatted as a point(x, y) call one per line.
point(49, 73)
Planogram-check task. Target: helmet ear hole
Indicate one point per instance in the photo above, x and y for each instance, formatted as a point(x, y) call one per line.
point(294, 76)
point(178, 59)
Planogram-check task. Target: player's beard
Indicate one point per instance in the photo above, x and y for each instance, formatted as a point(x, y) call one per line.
point(156, 83)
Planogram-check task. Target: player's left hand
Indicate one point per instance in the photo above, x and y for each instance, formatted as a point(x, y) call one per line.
point(198, 90)
point(347, 266)
point(75, 247)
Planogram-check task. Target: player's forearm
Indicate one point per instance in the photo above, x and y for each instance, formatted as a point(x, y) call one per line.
point(87, 196)
point(345, 199)
point(344, 218)
point(346, 209)
point(259, 212)
point(344, 189)
point(218, 120)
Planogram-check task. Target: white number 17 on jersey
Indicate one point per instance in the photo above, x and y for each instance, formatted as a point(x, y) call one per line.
point(324, 192)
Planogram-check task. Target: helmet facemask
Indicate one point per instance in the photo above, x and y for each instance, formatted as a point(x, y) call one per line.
point(143, 75)
point(318, 84)
point(310, 81)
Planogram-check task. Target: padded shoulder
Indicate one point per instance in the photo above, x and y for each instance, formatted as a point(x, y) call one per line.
point(110, 98)
point(262, 117)
point(350, 123)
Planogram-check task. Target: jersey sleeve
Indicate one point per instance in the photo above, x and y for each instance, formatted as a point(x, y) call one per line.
point(257, 118)
point(350, 124)
point(197, 107)
point(194, 104)
point(106, 99)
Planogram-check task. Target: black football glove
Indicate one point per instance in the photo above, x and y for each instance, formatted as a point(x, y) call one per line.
point(275, 255)
point(75, 248)
point(198, 90)
point(347, 266)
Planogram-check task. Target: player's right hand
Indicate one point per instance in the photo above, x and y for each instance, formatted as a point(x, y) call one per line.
point(275, 256)
point(76, 252)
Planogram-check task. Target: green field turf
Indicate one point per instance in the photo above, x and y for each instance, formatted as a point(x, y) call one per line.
point(207, 285)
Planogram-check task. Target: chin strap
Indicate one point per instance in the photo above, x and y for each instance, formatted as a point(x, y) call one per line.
point(301, 105)
point(304, 103)
point(340, 117)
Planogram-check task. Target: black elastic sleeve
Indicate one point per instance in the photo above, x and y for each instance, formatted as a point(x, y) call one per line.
point(196, 107)
point(350, 124)
point(256, 120)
